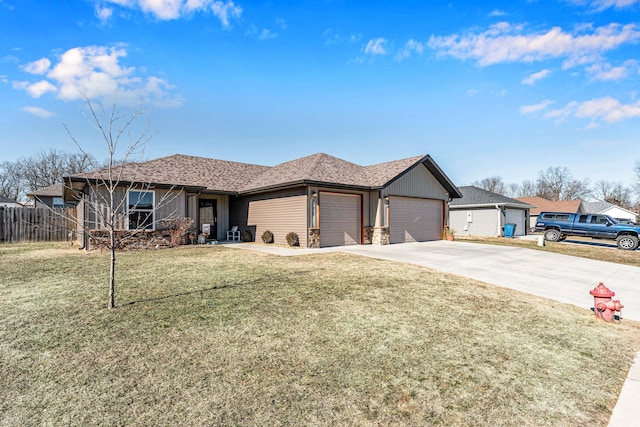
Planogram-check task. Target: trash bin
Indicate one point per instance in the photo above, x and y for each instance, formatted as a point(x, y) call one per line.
point(509, 230)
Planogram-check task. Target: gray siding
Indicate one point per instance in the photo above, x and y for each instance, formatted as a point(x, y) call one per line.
point(222, 212)
point(280, 216)
point(418, 182)
point(484, 222)
point(167, 202)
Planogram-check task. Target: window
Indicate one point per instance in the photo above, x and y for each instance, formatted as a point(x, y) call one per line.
point(599, 219)
point(583, 219)
point(58, 202)
point(140, 209)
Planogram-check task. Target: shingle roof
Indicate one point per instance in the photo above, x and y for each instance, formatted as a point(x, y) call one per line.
point(477, 196)
point(191, 171)
point(544, 205)
point(596, 207)
point(234, 177)
point(320, 168)
point(54, 190)
point(4, 199)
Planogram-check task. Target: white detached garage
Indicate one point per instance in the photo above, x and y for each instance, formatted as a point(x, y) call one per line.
point(484, 213)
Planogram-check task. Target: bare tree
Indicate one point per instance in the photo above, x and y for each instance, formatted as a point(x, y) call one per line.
point(10, 182)
point(492, 183)
point(527, 188)
point(636, 181)
point(48, 167)
point(125, 144)
point(557, 183)
point(613, 192)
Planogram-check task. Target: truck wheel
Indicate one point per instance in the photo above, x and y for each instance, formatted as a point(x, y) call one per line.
point(627, 242)
point(552, 235)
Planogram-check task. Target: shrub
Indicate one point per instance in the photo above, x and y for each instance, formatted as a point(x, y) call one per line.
point(267, 236)
point(292, 239)
point(246, 236)
point(177, 226)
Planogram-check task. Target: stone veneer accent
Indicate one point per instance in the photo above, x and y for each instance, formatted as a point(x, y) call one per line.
point(314, 237)
point(367, 236)
point(380, 236)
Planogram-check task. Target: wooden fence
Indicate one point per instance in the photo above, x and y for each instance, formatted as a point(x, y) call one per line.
point(36, 224)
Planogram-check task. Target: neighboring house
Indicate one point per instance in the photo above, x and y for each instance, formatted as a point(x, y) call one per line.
point(325, 200)
point(610, 209)
point(6, 202)
point(543, 205)
point(52, 196)
point(484, 213)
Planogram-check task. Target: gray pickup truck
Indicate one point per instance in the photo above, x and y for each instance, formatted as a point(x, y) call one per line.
point(558, 225)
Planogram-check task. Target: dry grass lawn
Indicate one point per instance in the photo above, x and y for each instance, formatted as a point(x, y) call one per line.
point(583, 247)
point(220, 336)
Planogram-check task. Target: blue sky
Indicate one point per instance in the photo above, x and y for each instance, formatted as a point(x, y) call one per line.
point(487, 88)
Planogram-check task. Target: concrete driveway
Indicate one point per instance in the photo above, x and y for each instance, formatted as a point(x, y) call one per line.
point(559, 277)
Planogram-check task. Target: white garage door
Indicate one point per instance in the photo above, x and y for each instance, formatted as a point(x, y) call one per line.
point(414, 220)
point(339, 219)
point(516, 216)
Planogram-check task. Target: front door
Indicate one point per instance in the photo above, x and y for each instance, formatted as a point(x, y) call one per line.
point(208, 214)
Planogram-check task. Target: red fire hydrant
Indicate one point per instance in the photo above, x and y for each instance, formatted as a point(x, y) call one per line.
point(603, 305)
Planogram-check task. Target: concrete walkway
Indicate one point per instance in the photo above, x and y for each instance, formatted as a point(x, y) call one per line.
point(559, 277)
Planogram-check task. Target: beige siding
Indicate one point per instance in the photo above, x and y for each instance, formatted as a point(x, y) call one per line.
point(418, 182)
point(484, 222)
point(340, 219)
point(280, 216)
point(239, 210)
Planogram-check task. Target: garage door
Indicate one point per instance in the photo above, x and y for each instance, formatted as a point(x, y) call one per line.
point(414, 220)
point(339, 219)
point(516, 216)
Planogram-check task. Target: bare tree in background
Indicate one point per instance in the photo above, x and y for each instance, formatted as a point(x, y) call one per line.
point(557, 183)
point(10, 183)
point(46, 168)
point(125, 144)
point(492, 183)
point(613, 192)
point(636, 183)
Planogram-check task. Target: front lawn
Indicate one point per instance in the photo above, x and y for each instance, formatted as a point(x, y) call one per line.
point(583, 247)
point(220, 336)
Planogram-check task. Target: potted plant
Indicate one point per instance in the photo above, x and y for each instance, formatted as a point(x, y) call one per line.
point(450, 233)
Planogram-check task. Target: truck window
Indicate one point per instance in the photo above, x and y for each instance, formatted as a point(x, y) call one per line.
point(583, 219)
point(599, 219)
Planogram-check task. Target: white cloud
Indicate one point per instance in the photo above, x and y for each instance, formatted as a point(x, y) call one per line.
point(281, 23)
point(535, 108)
point(38, 112)
point(606, 109)
point(505, 42)
point(600, 5)
point(267, 34)
point(37, 67)
point(332, 37)
point(532, 78)
point(376, 47)
point(174, 9)
point(96, 72)
point(37, 89)
point(409, 47)
point(496, 12)
point(607, 72)
point(103, 13)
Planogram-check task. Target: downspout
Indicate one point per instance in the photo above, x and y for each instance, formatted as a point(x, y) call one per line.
point(499, 229)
